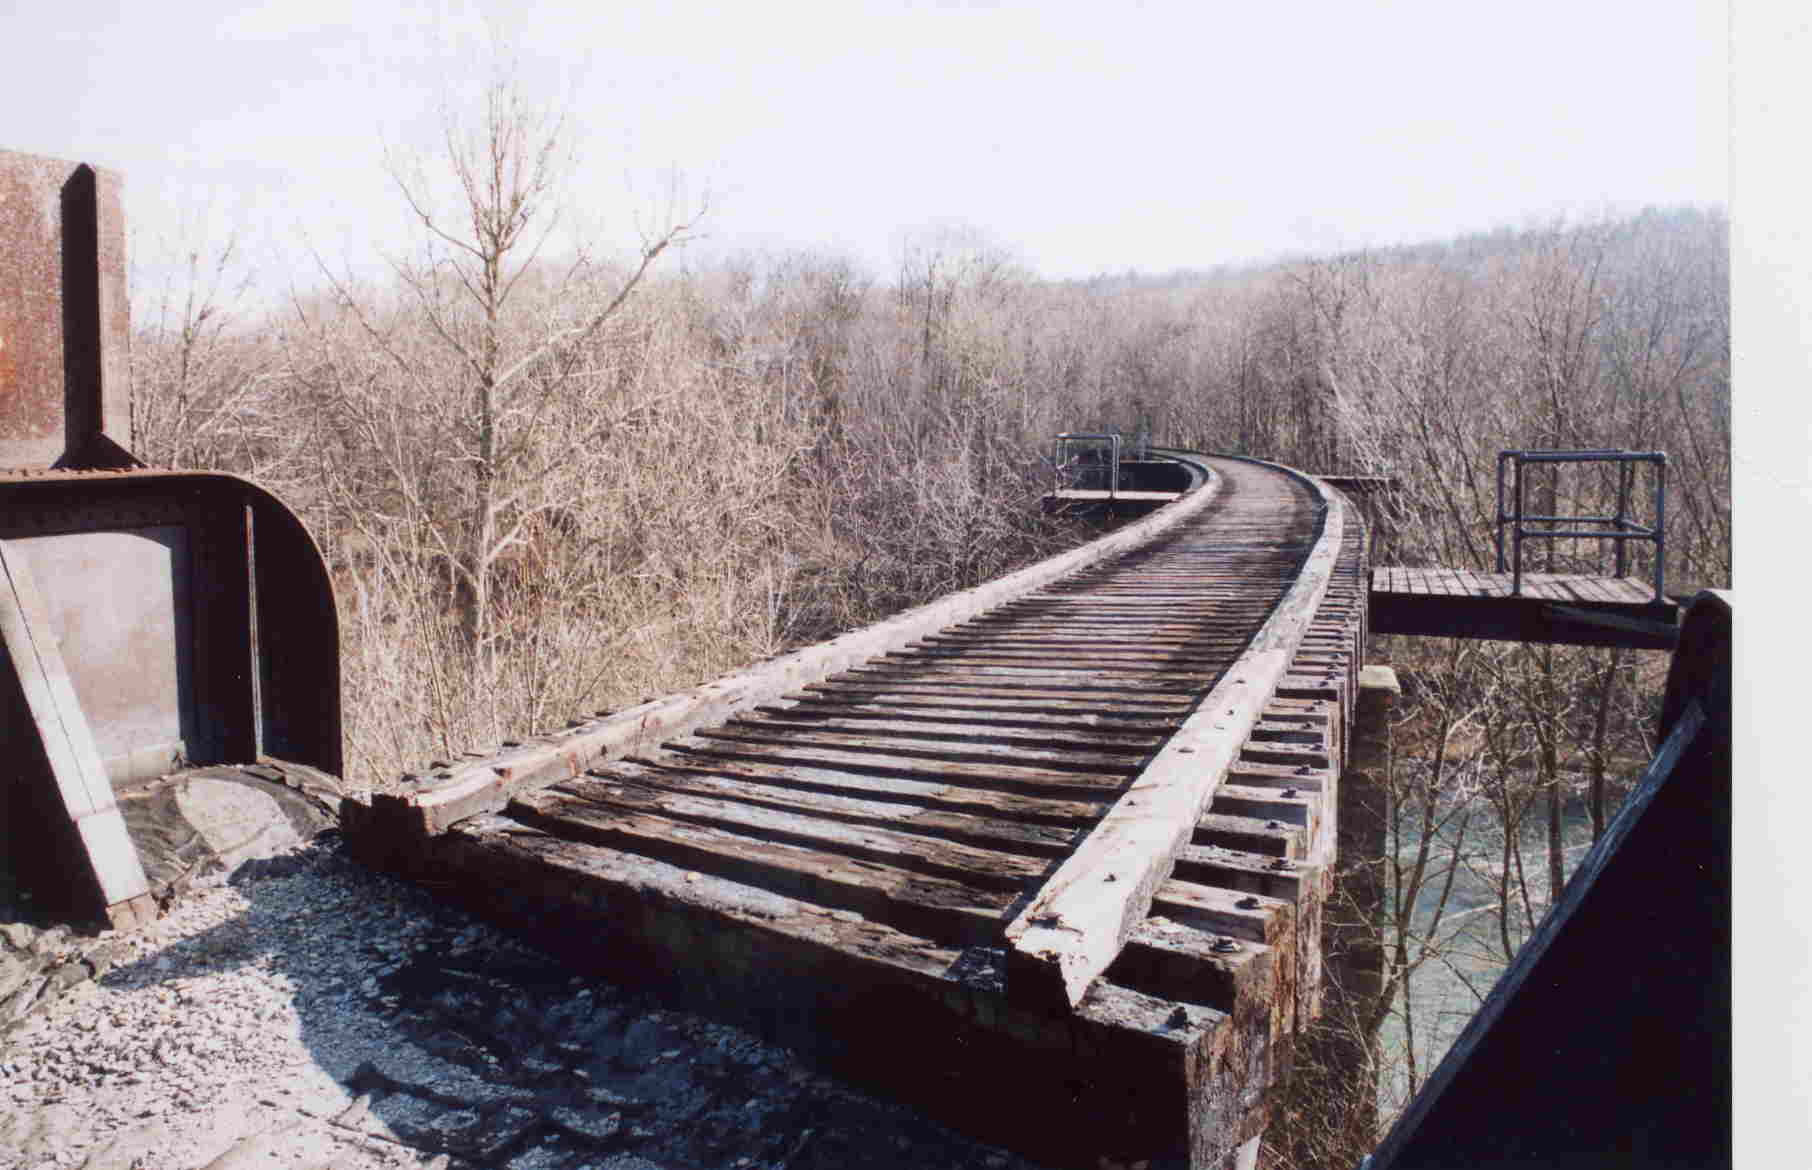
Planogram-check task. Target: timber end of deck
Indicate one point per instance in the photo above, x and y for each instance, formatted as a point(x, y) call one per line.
point(1126, 1075)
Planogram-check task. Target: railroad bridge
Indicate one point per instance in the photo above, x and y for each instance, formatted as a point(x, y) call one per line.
point(1047, 858)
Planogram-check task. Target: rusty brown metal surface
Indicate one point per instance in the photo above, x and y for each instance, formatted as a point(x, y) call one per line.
point(31, 311)
point(64, 394)
point(154, 607)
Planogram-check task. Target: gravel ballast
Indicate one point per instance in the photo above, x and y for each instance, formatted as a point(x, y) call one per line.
point(308, 1012)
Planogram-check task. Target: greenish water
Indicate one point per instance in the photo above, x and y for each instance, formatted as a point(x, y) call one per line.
point(1467, 954)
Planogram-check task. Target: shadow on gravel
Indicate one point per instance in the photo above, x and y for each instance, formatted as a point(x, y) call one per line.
point(472, 1045)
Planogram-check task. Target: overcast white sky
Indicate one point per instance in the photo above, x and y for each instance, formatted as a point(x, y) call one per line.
point(1087, 137)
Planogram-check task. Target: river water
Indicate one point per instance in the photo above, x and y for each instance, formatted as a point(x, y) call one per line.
point(1466, 952)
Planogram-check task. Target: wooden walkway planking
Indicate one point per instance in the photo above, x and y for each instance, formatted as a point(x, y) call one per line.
point(1563, 587)
point(843, 861)
point(1570, 609)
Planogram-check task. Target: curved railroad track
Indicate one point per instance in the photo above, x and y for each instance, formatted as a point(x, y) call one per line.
point(1045, 858)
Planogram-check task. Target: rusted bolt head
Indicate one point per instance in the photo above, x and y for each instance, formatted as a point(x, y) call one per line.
point(1224, 946)
point(1248, 903)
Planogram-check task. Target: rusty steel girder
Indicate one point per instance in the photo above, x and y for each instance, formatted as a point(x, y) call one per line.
point(149, 620)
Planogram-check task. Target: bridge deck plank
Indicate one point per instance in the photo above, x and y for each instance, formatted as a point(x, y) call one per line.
point(1028, 778)
point(944, 910)
point(1051, 736)
point(983, 867)
point(1079, 676)
point(925, 815)
point(1000, 652)
point(1003, 694)
point(1030, 718)
point(1096, 759)
point(1159, 954)
point(929, 788)
point(1059, 637)
point(1159, 664)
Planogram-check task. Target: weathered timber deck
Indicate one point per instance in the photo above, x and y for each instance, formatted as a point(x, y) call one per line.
point(1569, 609)
point(838, 866)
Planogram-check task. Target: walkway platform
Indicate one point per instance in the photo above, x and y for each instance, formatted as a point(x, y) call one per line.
point(1120, 503)
point(1085, 495)
point(1557, 608)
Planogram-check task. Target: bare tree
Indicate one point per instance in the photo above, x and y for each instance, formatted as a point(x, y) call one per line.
point(204, 380)
point(510, 361)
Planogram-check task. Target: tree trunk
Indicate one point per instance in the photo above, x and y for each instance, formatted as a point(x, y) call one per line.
point(1599, 754)
point(1557, 857)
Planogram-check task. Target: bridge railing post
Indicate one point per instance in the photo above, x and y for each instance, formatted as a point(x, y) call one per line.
point(1618, 528)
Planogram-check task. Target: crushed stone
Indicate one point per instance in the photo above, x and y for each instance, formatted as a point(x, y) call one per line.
point(309, 1013)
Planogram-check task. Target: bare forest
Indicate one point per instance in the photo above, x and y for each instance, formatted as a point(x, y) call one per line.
point(552, 481)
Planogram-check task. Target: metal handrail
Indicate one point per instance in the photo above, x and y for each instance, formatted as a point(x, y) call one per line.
point(1070, 438)
point(1626, 527)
